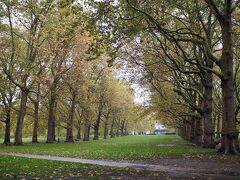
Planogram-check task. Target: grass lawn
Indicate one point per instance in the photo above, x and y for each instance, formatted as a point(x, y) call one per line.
point(127, 148)
point(25, 168)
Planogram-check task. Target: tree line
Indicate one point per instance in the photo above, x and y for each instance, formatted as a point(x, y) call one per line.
point(55, 75)
point(188, 52)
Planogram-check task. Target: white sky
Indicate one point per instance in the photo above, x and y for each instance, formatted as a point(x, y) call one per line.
point(141, 95)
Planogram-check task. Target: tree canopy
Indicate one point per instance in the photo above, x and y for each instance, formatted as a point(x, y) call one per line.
point(68, 69)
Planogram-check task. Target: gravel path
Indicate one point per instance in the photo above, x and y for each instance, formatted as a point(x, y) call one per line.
point(176, 168)
point(102, 162)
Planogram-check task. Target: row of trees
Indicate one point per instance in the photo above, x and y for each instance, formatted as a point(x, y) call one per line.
point(188, 51)
point(54, 75)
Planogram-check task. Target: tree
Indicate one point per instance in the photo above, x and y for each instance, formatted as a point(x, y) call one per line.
point(191, 31)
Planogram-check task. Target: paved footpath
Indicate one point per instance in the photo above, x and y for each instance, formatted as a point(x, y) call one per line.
point(140, 166)
point(101, 162)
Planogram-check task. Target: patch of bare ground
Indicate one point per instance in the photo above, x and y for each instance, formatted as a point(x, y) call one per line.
point(173, 145)
point(186, 168)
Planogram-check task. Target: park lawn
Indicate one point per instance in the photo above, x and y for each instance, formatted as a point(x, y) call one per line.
point(26, 168)
point(120, 148)
point(26, 140)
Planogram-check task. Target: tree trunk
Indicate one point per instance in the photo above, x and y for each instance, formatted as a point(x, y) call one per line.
point(118, 128)
point(198, 138)
point(193, 130)
point(35, 123)
point(125, 130)
point(69, 137)
point(218, 126)
point(54, 122)
point(188, 130)
point(20, 120)
point(79, 125)
point(229, 142)
point(112, 128)
point(79, 133)
point(214, 125)
point(8, 127)
point(184, 131)
point(36, 115)
point(51, 116)
point(105, 130)
point(122, 128)
point(96, 132)
point(97, 124)
point(208, 134)
point(86, 132)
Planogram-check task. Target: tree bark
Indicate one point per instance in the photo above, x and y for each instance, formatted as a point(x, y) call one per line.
point(86, 133)
point(188, 130)
point(208, 134)
point(229, 141)
point(118, 128)
point(122, 128)
point(54, 123)
point(86, 136)
point(20, 120)
point(214, 125)
point(97, 123)
point(79, 137)
point(125, 130)
point(198, 138)
point(7, 140)
point(112, 128)
point(35, 123)
point(105, 130)
point(79, 125)
point(36, 116)
point(193, 130)
point(51, 116)
point(69, 137)
point(218, 126)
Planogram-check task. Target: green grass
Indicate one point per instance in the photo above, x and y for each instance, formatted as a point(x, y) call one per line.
point(28, 140)
point(26, 168)
point(128, 147)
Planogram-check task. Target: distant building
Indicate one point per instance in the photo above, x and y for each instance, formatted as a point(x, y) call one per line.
point(160, 131)
point(163, 132)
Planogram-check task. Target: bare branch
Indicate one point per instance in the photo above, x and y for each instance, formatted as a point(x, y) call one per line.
point(215, 9)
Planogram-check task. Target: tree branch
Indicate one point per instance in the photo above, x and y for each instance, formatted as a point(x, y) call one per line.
point(215, 9)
